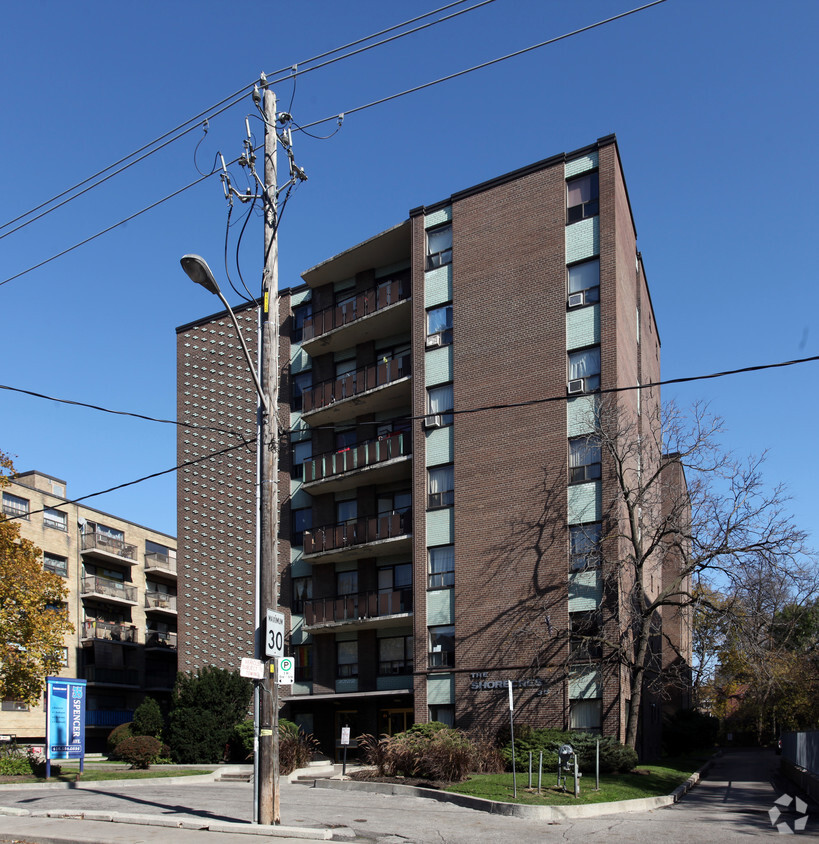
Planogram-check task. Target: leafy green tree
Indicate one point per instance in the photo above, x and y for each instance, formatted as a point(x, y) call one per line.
point(33, 616)
point(148, 719)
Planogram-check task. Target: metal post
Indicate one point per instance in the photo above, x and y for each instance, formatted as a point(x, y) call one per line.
point(512, 730)
point(539, 772)
point(597, 767)
point(530, 770)
point(576, 779)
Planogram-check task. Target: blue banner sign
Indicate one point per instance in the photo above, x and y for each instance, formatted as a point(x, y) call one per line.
point(65, 718)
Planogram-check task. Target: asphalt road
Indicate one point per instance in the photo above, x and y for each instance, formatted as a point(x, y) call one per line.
point(731, 804)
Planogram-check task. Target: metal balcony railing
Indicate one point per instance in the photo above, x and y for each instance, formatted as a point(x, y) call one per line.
point(356, 383)
point(155, 639)
point(356, 607)
point(357, 532)
point(110, 631)
point(159, 679)
point(95, 586)
point(160, 601)
point(363, 304)
point(112, 676)
point(368, 453)
point(160, 562)
point(103, 542)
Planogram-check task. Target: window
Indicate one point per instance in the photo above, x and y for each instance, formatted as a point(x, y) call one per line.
point(14, 705)
point(301, 383)
point(301, 451)
point(443, 714)
point(442, 646)
point(586, 715)
point(582, 198)
point(63, 654)
point(441, 487)
point(303, 655)
point(584, 460)
point(441, 567)
point(439, 401)
point(55, 519)
point(439, 246)
point(439, 326)
point(55, 563)
point(104, 530)
point(584, 283)
point(300, 314)
point(394, 502)
point(584, 370)
point(15, 506)
point(346, 583)
point(584, 546)
point(302, 591)
point(346, 439)
point(583, 626)
point(346, 511)
point(395, 655)
point(346, 659)
point(302, 521)
point(395, 578)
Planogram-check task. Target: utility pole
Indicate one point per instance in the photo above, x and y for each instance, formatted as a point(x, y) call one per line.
point(267, 789)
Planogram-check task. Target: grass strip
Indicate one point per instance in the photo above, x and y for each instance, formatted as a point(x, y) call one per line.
point(71, 775)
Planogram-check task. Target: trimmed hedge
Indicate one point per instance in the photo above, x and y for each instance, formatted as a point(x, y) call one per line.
point(614, 757)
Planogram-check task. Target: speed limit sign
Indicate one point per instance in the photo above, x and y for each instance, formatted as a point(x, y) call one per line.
point(274, 634)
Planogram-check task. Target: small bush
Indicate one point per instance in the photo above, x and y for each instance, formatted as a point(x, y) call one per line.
point(140, 751)
point(117, 735)
point(241, 742)
point(148, 719)
point(376, 752)
point(14, 766)
point(489, 757)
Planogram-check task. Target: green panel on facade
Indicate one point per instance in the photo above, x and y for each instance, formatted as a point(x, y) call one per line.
point(581, 413)
point(581, 165)
point(585, 502)
point(583, 240)
point(583, 327)
point(385, 684)
point(302, 689)
point(440, 607)
point(438, 366)
point(390, 632)
point(585, 590)
point(300, 297)
point(440, 446)
point(299, 360)
point(438, 286)
point(440, 689)
point(347, 636)
point(585, 683)
point(441, 527)
point(296, 555)
point(301, 499)
point(298, 568)
point(438, 218)
point(347, 684)
point(298, 636)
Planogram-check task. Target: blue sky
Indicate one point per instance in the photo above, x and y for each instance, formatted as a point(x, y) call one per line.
point(713, 104)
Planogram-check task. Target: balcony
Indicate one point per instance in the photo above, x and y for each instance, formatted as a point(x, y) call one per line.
point(110, 631)
point(360, 610)
point(384, 460)
point(111, 676)
point(108, 717)
point(162, 641)
point(378, 312)
point(371, 389)
point(160, 602)
point(107, 548)
point(334, 543)
point(159, 564)
point(159, 680)
point(112, 591)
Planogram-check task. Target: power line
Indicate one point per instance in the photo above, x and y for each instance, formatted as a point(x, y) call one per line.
point(484, 64)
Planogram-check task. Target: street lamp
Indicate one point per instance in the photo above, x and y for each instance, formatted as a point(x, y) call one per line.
point(266, 714)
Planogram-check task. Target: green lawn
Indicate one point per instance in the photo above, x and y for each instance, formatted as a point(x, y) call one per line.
point(653, 780)
point(91, 775)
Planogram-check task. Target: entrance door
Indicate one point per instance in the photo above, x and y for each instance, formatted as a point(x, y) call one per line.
point(392, 721)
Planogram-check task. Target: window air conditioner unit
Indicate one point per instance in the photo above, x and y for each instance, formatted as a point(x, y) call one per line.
point(434, 421)
point(576, 299)
point(575, 386)
point(435, 340)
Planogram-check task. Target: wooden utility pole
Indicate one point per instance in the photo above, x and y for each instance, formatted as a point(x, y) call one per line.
point(268, 597)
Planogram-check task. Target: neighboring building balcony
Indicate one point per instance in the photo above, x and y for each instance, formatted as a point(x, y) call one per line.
point(103, 547)
point(160, 602)
point(110, 631)
point(159, 564)
point(161, 641)
point(371, 389)
point(111, 591)
point(108, 717)
point(99, 676)
point(365, 609)
point(334, 543)
point(381, 311)
point(384, 460)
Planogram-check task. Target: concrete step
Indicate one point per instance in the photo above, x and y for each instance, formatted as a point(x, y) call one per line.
point(238, 777)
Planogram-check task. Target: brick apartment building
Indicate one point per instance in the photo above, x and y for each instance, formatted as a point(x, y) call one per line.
point(121, 580)
point(440, 524)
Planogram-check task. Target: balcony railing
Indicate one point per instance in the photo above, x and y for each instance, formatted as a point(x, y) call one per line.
point(159, 679)
point(357, 607)
point(112, 676)
point(364, 304)
point(111, 631)
point(160, 601)
point(355, 383)
point(357, 532)
point(155, 639)
point(393, 667)
point(160, 562)
point(108, 717)
point(109, 544)
point(96, 586)
point(369, 453)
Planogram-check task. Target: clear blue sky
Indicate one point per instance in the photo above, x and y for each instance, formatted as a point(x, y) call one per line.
point(713, 103)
